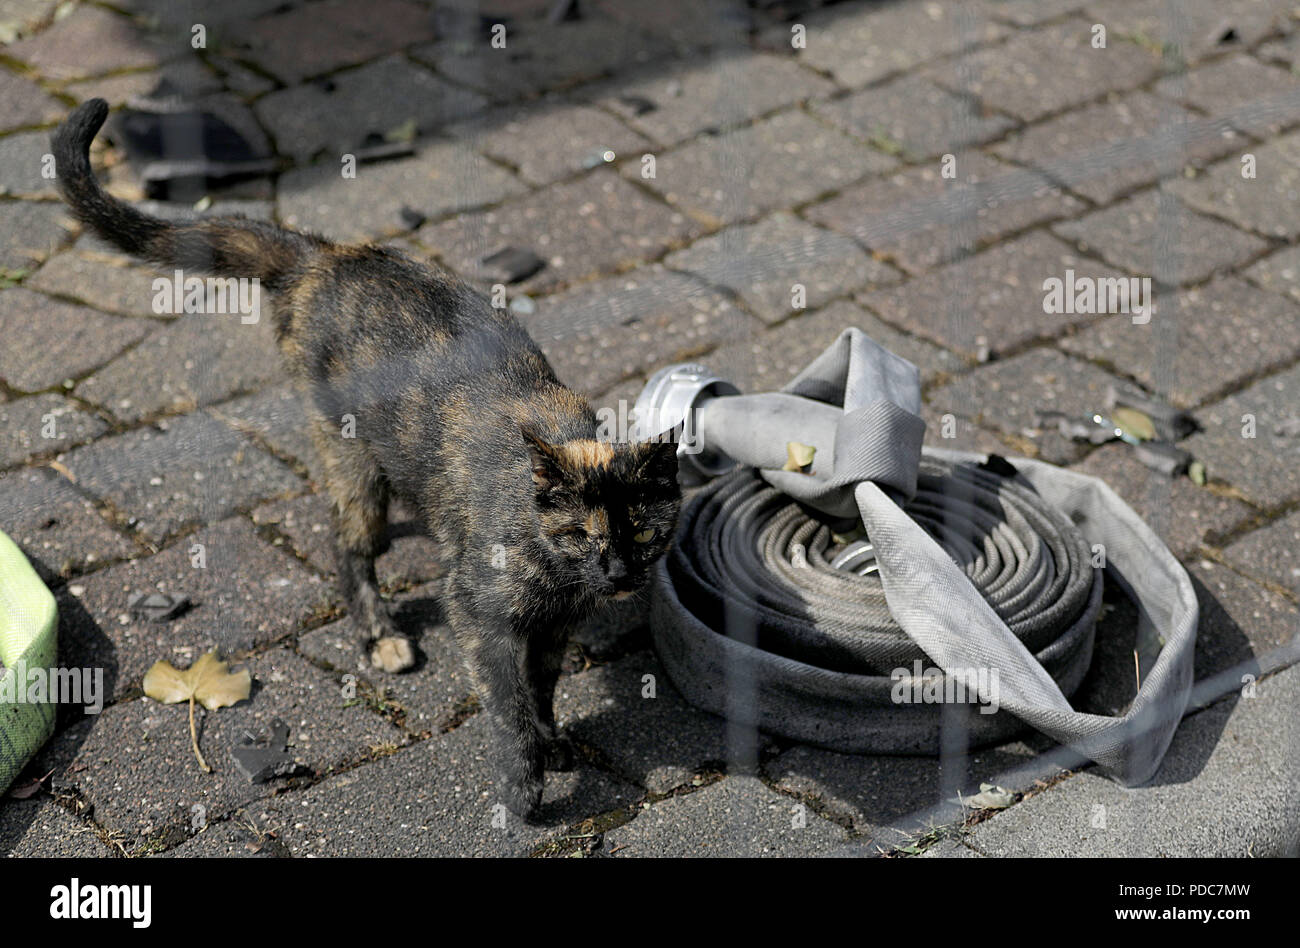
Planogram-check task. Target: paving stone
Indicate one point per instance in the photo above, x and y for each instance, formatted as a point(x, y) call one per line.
point(1243, 743)
point(1153, 234)
point(656, 740)
point(916, 117)
point(736, 816)
point(1255, 98)
point(619, 628)
point(247, 595)
point(48, 341)
point(304, 41)
point(41, 828)
point(1284, 51)
point(1198, 342)
point(745, 173)
point(767, 362)
point(29, 232)
point(276, 416)
point(198, 359)
point(26, 423)
point(134, 762)
point(189, 77)
point(598, 333)
point(1266, 466)
point(554, 139)
point(1106, 149)
point(102, 282)
point(334, 116)
point(918, 219)
point(1038, 72)
point(858, 46)
point(945, 429)
point(1271, 552)
point(57, 528)
point(723, 23)
point(717, 93)
point(1279, 272)
point(24, 103)
point(193, 470)
point(88, 42)
point(1262, 203)
point(1181, 513)
point(541, 57)
point(762, 262)
point(1196, 32)
point(1241, 621)
point(991, 300)
point(22, 159)
point(1029, 12)
point(434, 694)
point(1006, 395)
point(949, 849)
point(433, 799)
point(411, 555)
point(593, 225)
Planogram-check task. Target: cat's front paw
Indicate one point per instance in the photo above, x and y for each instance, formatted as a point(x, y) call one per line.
point(522, 795)
point(392, 653)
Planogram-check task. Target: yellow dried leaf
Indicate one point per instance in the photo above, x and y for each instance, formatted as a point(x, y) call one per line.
point(799, 457)
point(1134, 422)
point(207, 681)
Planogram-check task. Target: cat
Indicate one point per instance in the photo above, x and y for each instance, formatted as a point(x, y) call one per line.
point(456, 411)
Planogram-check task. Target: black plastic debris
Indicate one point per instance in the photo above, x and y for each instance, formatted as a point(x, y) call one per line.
point(510, 265)
point(264, 758)
point(157, 606)
point(376, 147)
point(563, 11)
point(638, 104)
point(1171, 424)
point(411, 218)
point(997, 464)
point(1168, 459)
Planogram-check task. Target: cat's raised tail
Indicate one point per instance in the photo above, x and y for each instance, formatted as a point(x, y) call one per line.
point(225, 246)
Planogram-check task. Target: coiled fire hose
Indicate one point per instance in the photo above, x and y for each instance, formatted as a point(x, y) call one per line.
point(979, 567)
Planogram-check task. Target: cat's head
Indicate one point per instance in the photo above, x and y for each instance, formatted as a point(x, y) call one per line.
point(606, 509)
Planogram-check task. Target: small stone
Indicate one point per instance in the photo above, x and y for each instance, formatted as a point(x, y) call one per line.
point(510, 265)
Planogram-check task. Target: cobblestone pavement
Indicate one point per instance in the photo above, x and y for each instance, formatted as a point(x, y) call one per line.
point(128, 436)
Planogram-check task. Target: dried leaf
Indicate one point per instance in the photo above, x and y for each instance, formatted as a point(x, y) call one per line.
point(1196, 471)
point(799, 457)
point(401, 133)
point(1134, 422)
point(990, 797)
point(208, 681)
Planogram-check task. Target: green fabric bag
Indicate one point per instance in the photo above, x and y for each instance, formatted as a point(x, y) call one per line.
point(28, 639)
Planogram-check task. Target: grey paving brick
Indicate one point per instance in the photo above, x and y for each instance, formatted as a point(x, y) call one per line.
point(1183, 514)
point(334, 116)
point(1266, 466)
point(23, 103)
point(1241, 622)
point(247, 595)
point(1029, 12)
point(1247, 742)
point(554, 139)
point(766, 362)
point(196, 360)
point(706, 96)
point(434, 694)
point(1105, 149)
point(194, 470)
point(601, 332)
point(949, 849)
point(686, 25)
point(944, 428)
point(1249, 95)
point(992, 300)
point(918, 219)
point(134, 762)
point(1199, 341)
point(1154, 235)
point(861, 45)
point(22, 160)
point(1006, 395)
point(1279, 272)
point(763, 262)
point(48, 341)
point(442, 178)
point(98, 281)
point(433, 799)
point(1271, 552)
point(619, 628)
point(652, 738)
point(1282, 51)
point(44, 424)
point(305, 41)
point(744, 173)
point(916, 117)
point(1199, 30)
point(1262, 203)
point(1040, 71)
point(89, 41)
point(57, 528)
point(736, 816)
point(42, 828)
point(275, 415)
point(595, 224)
point(29, 232)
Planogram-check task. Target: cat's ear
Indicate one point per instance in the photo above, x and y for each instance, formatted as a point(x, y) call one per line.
point(546, 469)
point(657, 457)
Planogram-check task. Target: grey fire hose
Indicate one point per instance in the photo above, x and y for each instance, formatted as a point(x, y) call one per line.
point(979, 567)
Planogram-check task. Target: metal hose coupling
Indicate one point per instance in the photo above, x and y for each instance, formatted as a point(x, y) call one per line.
point(767, 612)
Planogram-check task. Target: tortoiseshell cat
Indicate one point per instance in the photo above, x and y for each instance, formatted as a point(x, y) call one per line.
point(456, 411)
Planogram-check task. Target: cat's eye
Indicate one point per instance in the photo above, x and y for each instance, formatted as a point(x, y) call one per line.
point(645, 536)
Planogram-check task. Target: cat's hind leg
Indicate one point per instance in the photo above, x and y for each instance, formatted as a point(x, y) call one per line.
point(358, 493)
